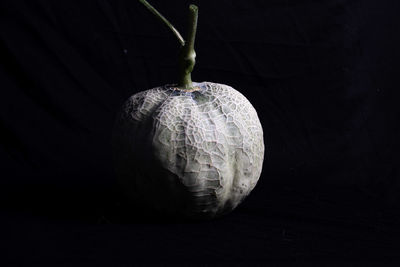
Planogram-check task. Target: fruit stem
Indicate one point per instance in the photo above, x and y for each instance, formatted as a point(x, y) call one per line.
point(163, 19)
point(187, 58)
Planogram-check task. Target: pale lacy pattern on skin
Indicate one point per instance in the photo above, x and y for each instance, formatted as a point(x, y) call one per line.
point(210, 139)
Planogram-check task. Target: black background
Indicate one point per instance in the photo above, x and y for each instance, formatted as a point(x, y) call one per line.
point(323, 76)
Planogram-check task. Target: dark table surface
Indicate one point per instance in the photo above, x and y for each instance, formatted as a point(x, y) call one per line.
point(290, 226)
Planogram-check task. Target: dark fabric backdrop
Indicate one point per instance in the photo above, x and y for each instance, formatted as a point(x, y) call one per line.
point(323, 76)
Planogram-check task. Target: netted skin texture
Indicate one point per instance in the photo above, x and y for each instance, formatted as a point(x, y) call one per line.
point(195, 154)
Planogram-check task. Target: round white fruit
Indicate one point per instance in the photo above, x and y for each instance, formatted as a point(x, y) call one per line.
point(194, 153)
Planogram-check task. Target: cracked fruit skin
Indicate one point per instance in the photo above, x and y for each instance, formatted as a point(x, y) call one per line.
point(194, 153)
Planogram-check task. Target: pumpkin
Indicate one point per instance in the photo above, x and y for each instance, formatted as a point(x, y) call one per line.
point(193, 149)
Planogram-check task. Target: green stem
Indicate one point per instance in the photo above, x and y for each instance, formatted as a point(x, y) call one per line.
point(188, 55)
point(163, 19)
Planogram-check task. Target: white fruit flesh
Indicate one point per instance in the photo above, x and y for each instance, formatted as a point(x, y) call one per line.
point(197, 153)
